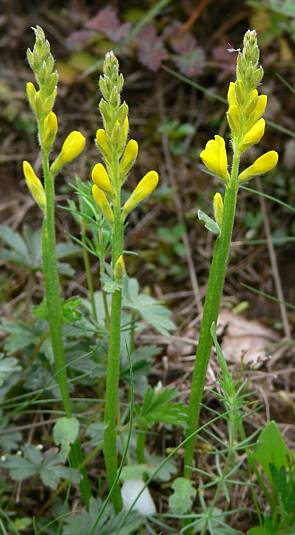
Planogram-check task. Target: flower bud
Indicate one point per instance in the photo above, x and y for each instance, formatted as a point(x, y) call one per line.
point(119, 270)
point(231, 94)
point(31, 95)
point(72, 147)
point(101, 178)
point(128, 158)
point(50, 129)
point(218, 208)
point(102, 142)
point(253, 135)
point(143, 189)
point(34, 184)
point(233, 118)
point(262, 165)
point(103, 203)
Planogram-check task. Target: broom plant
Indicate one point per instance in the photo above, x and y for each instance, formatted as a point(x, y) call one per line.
point(42, 101)
point(247, 126)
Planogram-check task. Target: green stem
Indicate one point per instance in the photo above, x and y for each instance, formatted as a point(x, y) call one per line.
point(87, 266)
point(113, 367)
point(211, 311)
point(140, 446)
point(54, 312)
point(132, 332)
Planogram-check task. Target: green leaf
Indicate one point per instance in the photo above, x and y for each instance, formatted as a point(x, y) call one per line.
point(9, 439)
point(140, 471)
point(14, 241)
point(65, 432)
point(47, 466)
point(181, 500)
point(271, 449)
point(157, 407)
point(86, 522)
point(7, 367)
point(152, 311)
point(209, 223)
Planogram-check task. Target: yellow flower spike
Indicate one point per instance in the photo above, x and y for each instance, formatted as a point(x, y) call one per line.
point(215, 158)
point(143, 189)
point(253, 135)
point(262, 165)
point(103, 203)
point(119, 270)
point(50, 129)
point(129, 157)
point(35, 185)
point(233, 118)
point(231, 94)
point(31, 95)
point(72, 147)
point(101, 178)
point(218, 208)
point(102, 141)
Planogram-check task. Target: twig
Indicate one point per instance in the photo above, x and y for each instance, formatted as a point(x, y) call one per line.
point(273, 261)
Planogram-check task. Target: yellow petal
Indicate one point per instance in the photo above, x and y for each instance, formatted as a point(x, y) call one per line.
point(101, 178)
point(215, 158)
point(260, 107)
point(143, 189)
point(103, 203)
point(262, 165)
point(72, 147)
point(50, 129)
point(35, 185)
point(129, 157)
point(253, 135)
point(218, 208)
point(102, 141)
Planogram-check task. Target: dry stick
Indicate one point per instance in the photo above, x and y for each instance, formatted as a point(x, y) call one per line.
point(178, 207)
point(273, 261)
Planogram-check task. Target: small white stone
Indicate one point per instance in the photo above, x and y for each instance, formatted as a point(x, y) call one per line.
point(145, 504)
point(3, 458)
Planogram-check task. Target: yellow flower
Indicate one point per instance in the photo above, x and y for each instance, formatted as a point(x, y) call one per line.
point(260, 107)
point(102, 141)
point(253, 135)
point(103, 203)
point(101, 178)
point(119, 270)
point(262, 165)
point(50, 129)
point(143, 189)
point(215, 158)
point(72, 147)
point(35, 185)
point(129, 157)
point(218, 208)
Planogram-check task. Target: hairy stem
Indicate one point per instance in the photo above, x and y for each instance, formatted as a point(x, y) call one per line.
point(211, 311)
point(54, 313)
point(113, 366)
